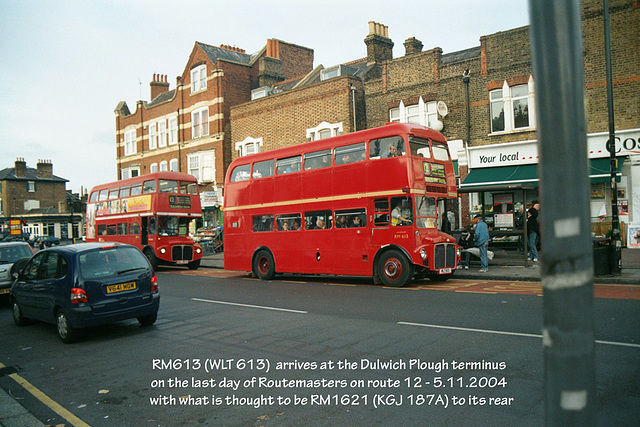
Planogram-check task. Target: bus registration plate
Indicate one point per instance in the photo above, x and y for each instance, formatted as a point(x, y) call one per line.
point(182, 261)
point(444, 271)
point(111, 289)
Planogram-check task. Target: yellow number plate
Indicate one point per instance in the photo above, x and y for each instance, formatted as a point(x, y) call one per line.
point(121, 287)
point(5, 291)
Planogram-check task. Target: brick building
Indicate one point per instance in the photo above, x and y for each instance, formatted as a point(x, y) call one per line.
point(186, 129)
point(497, 121)
point(37, 196)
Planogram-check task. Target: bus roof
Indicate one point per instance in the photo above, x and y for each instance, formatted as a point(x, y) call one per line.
point(388, 129)
point(170, 176)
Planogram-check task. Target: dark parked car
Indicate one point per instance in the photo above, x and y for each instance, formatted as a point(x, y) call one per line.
point(13, 256)
point(83, 285)
point(45, 242)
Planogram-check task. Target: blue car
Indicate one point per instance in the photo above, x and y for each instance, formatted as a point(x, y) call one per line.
point(83, 285)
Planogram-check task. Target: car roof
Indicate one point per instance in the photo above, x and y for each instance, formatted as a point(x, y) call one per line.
point(13, 243)
point(83, 247)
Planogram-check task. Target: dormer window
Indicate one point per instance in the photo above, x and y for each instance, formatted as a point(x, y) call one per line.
point(261, 92)
point(199, 78)
point(336, 71)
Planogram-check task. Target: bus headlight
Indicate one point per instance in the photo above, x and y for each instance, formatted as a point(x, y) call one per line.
point(458, 252)
point(198, 250)
point(163, 250)
point(423, 253)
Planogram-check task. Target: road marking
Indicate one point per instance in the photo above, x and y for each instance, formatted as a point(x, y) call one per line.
point(50, 403)
point(250, 306)
point(517, 334)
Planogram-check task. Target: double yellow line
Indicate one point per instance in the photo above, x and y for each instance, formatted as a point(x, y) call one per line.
point(50, 403)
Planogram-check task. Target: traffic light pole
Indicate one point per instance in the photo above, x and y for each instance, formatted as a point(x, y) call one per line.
point(567, 257)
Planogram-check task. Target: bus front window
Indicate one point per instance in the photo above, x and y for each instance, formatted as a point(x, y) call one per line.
point(426, 212)
point(173, 226)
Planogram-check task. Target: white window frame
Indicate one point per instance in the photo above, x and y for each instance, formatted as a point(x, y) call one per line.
point(199, 78)
point(248, 146)
point(128, 172)
point(320, 131)
point(173, 130)
point(162, 133)
point(153, 168)
point(202, 165)
point(153, 136)
point(423, 113)
point(505, 97)
point(164, 166)
point(173, 165)
point(31, 186)
point(130, 139)
point(200, 122)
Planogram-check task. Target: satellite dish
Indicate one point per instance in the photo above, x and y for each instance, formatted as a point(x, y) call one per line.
point(442, 108)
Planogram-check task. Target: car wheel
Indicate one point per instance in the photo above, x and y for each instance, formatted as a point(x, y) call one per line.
point(394, 269)
point(148, 320)
point(65, 330)
point(263, 265)
point(16, 312)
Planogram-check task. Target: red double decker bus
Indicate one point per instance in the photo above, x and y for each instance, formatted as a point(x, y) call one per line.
point(365, 204)
point(151, 212)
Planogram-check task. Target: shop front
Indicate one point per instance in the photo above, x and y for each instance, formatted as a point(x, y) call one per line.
point(502, 182)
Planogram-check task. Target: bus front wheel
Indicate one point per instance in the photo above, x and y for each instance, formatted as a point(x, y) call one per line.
point(394, 269)
point(263, 265)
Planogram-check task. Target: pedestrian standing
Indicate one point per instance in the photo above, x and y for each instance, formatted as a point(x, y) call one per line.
point(482, 242)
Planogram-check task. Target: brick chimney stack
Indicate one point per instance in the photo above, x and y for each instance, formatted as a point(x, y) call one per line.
point(412, 45)
point(20, 170)
point(379, 45)
point(44, 169)
point(158, 85)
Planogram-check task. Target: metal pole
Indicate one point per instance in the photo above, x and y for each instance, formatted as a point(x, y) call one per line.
point(616, 240)
point(567, 260)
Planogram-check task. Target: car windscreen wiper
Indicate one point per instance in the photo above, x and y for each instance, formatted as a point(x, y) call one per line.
point(130, 269)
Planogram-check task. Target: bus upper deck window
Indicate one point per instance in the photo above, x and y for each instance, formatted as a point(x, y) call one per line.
point(113, 193)
point(241, 173)
point(124, 192)
point(419, 147)
point(149, 187)
point(136, 189)
point(391, 146)
point(103, 195)
point(94, 197)
point(289, 164)
point(188, 187)
point(317, 160)
point(263, 169)
point(440, 151)
point(350, 154)
point(168, 186)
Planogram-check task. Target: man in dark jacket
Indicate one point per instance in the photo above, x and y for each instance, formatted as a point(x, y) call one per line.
point(533, 228)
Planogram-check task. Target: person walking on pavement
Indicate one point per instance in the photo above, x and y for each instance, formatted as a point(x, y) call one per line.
point(533, 228)
point(482, 242)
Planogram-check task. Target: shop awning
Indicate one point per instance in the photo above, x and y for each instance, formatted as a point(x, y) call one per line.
point(500, 178)
point(526, 176)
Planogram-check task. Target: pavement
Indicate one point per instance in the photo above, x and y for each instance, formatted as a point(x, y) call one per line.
point(505, 266)
point(509, 266)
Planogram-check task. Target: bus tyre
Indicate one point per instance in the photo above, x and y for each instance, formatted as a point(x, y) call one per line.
point(193, 265)
point(263, 265)
point(394, 269)
point(152, 258)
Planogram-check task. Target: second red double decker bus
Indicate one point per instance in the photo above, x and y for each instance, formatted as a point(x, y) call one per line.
point(364, 204)
point(151, 212)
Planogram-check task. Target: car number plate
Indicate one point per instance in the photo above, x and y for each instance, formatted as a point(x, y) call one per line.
point(5, 291)
point(111, 289)
point(444, 271)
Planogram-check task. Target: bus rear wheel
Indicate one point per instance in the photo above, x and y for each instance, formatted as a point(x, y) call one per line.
point(152, 258)
point(394, 269)
point(263, 265)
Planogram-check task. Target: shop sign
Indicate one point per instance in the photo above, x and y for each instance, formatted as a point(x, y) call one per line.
point(526, 152)
point(15, 227)
point(209, 199)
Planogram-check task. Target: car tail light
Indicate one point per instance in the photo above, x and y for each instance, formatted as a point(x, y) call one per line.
point(78, 295)
point(154, 283)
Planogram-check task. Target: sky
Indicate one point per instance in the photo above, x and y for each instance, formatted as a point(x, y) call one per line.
point(66, 64)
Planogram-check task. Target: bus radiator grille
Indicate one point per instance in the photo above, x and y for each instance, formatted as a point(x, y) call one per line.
point(445, 256)
point(182, 253)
